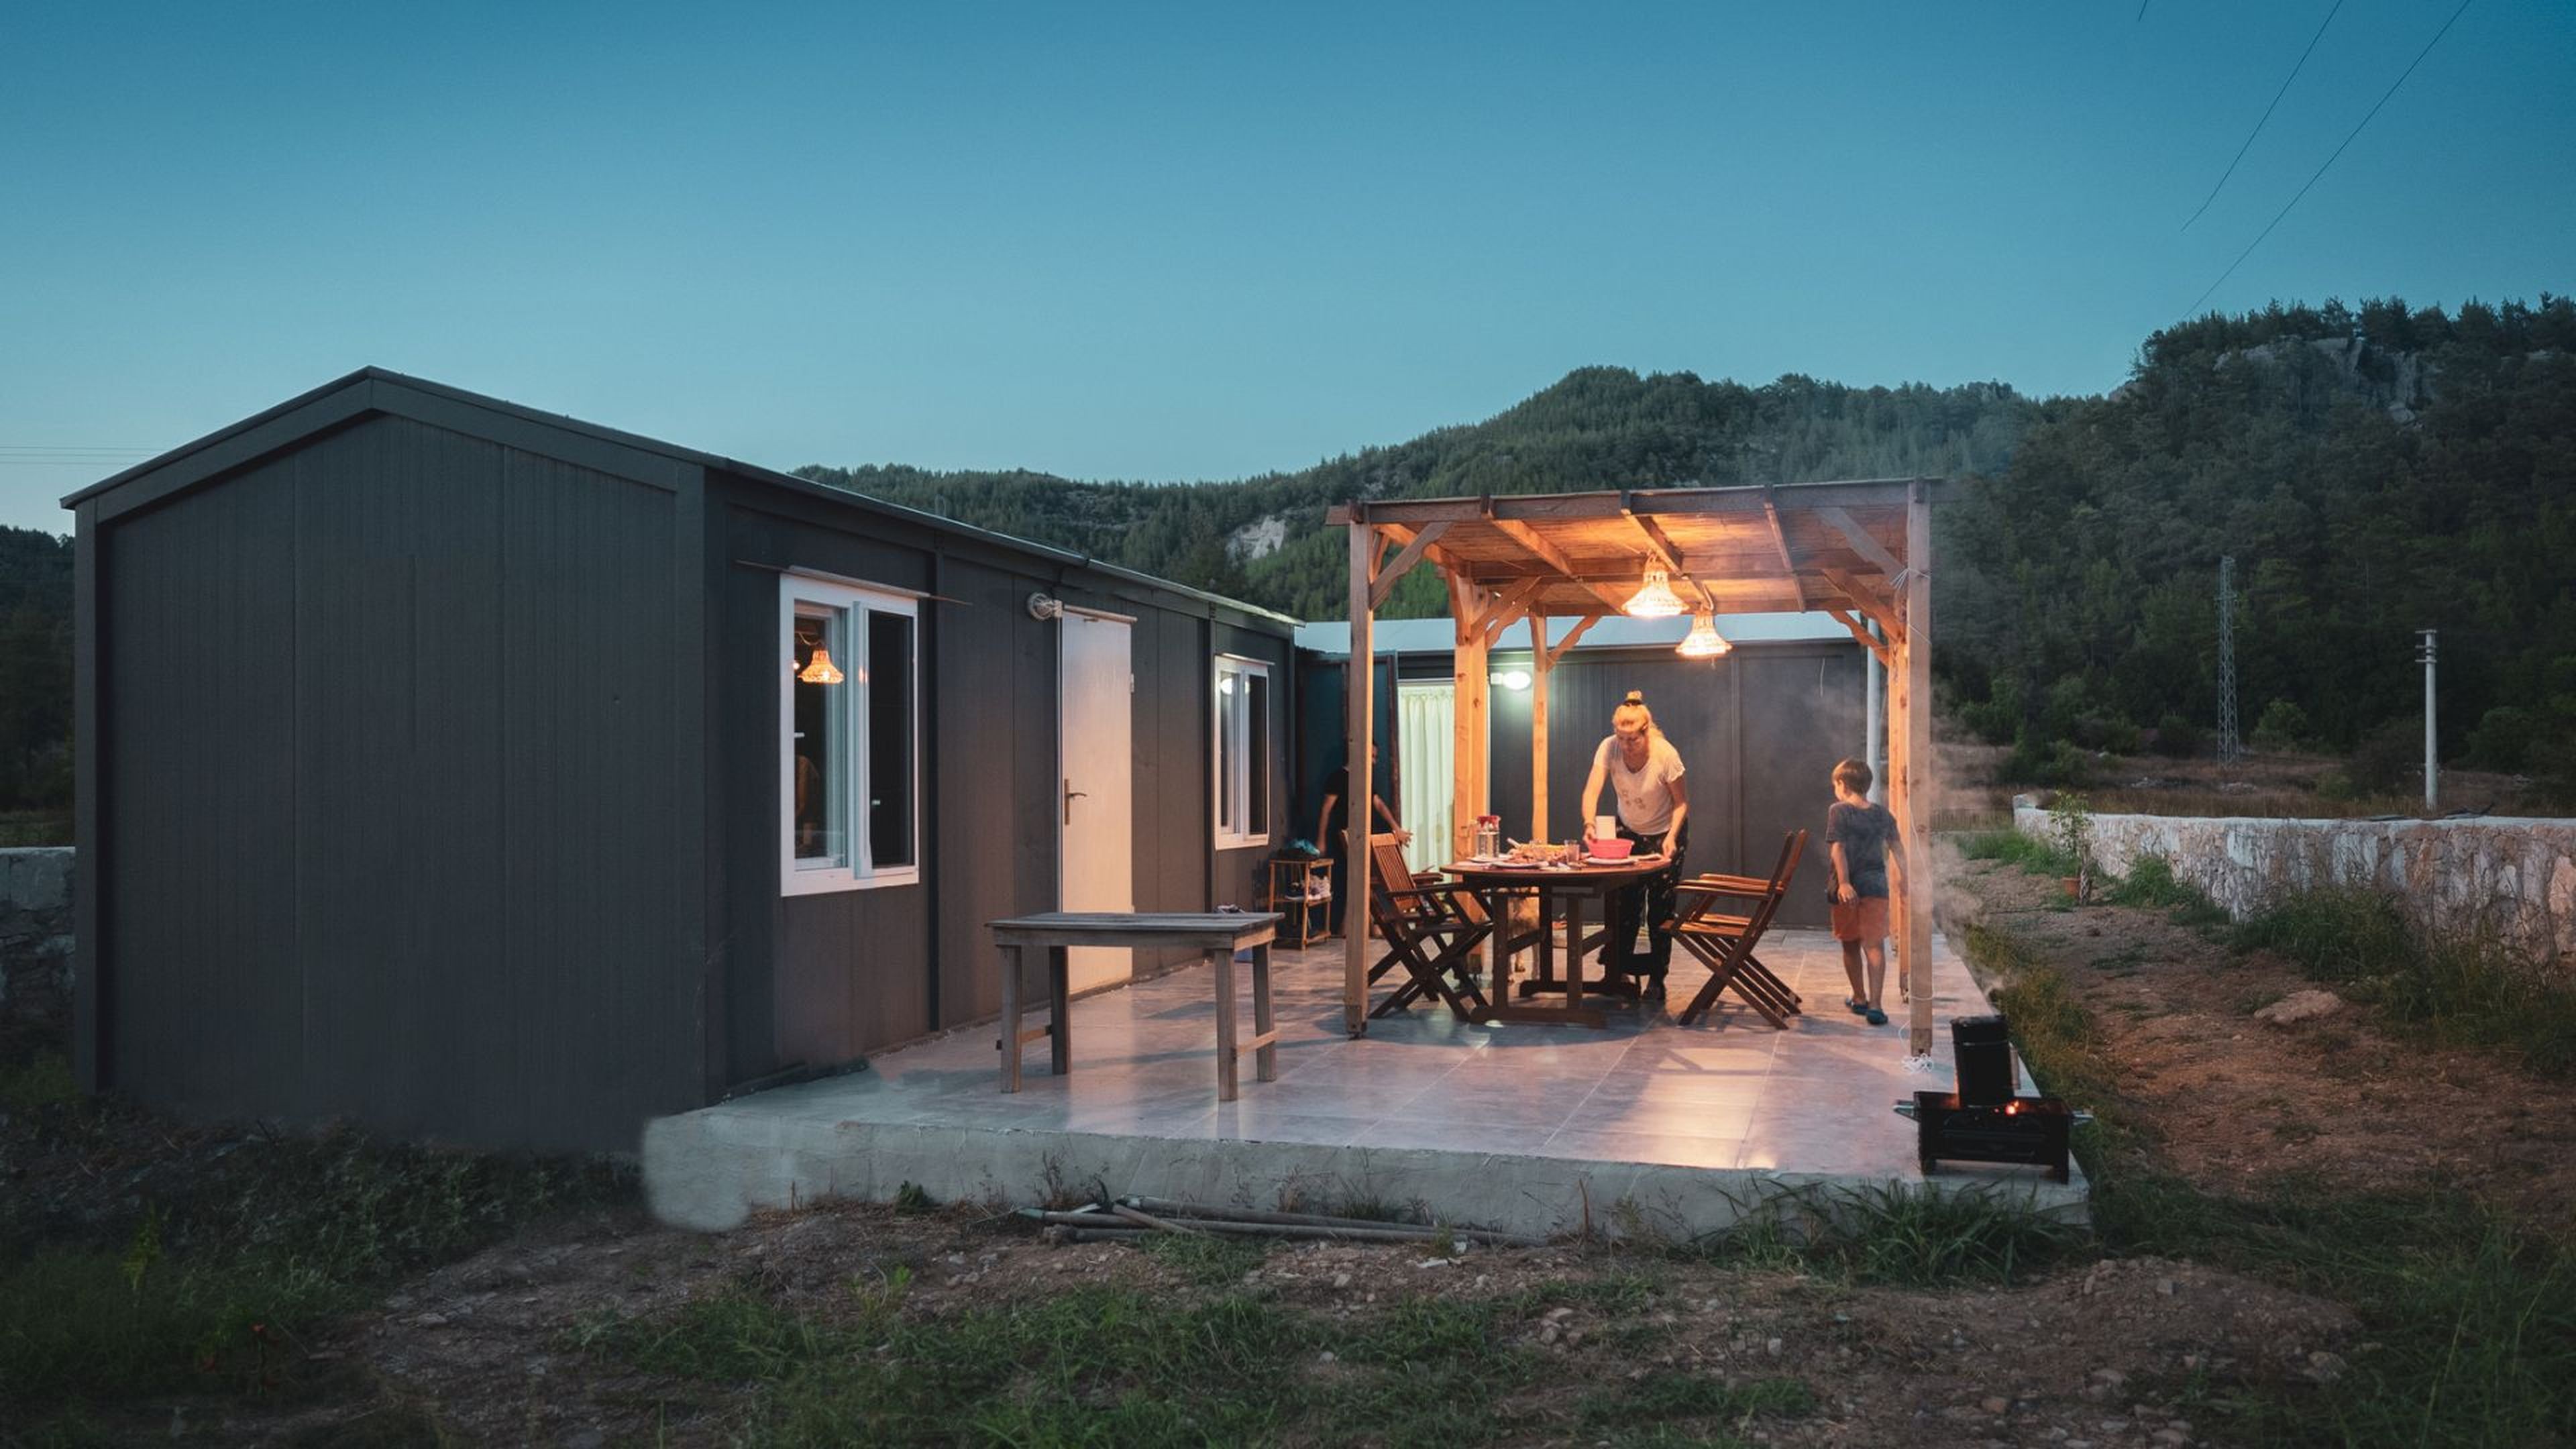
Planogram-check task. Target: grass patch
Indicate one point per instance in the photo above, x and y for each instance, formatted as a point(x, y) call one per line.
point(44, 1080)
point(19, 828)
point(2460, 986)
point(217, 1287)
point(2473, 1316)
point(1101, 1366)
point(2151, 882)
point(2029, 852)
point(1206, 1259)
point(1898, 1236)
point(1667, 1395)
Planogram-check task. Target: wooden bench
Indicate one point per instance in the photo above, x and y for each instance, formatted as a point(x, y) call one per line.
point(1219, 934)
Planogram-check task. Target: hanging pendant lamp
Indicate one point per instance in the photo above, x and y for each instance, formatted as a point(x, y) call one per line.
point(1703, 642)
point(820, 670)
point(1657, 599)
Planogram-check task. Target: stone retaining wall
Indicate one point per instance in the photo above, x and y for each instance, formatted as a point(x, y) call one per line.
point(36, 933)
point(2515, 875)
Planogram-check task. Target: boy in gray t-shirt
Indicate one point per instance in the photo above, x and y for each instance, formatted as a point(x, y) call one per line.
point(1862, 839)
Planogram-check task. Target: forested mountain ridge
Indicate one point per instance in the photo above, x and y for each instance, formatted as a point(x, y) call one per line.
point(2372, 472)
point(1263, 539)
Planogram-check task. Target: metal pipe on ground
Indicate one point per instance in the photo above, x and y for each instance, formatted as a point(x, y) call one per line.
point(1202, 1211)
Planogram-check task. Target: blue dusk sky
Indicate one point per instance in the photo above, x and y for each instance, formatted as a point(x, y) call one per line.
point(1201, 242)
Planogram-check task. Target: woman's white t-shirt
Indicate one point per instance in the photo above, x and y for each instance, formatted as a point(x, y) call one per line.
point(1645, 795)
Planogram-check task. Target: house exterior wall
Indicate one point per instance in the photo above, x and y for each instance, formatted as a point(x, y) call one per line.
point(427, 763)
point(817, 980)
point(385, 734)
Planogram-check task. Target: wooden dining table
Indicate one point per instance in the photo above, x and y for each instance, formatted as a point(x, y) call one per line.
point(1560, 892)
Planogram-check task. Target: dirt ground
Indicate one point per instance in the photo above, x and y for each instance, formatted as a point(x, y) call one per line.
point(2337, 1099)
point(2104, 1352)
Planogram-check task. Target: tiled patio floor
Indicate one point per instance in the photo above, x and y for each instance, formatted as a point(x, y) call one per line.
point(1533, 1127)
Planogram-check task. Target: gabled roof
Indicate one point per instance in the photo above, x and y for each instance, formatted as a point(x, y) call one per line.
point(376, 390)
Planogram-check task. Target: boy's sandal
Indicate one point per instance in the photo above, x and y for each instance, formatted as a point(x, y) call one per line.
point(1856, 1008)
point(1877, 1017)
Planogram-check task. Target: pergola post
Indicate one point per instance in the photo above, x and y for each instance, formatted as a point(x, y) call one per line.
point(1359, 721)
point(1540, 667)
point(1916, 771)
point(1467, 704)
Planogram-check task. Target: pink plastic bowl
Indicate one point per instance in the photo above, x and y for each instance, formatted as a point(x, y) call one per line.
point(1612, 849)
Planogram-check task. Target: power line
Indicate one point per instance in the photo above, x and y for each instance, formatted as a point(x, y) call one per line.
point(2267, 112)
point(2330, 160)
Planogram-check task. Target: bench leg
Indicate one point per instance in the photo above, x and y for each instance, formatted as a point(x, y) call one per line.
point(1265, 1060)
point(1010, 1042)
point(1223, 960)
point(1060, 1010)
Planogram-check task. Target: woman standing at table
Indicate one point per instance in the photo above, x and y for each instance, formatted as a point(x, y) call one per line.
point(1645, 772)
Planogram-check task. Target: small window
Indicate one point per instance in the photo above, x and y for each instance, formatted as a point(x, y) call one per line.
point(849, 738)
point(1241, 752)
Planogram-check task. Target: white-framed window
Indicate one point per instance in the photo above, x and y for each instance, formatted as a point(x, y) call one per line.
point(1241, 751)
point(849, 737)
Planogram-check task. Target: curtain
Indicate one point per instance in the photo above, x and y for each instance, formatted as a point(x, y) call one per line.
point(1426, 743)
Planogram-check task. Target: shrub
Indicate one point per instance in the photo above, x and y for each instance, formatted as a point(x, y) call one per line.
point(2058, 764)
point(2503, 739)
point(2284, 726)
point(2104, 732)
point(2387, 758)
point(1996, 718)
point(2177, 737)
point(2151, 882)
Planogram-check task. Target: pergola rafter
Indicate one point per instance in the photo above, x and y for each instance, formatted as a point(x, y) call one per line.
point(1859, 551)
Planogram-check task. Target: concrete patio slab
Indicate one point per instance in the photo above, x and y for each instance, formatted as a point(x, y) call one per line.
point(1642, 1126)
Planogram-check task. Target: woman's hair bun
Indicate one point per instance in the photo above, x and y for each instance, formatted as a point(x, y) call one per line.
point(1635, 696)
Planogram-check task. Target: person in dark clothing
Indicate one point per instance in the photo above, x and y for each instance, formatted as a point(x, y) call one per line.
point(1329, 830)
point(1862, 839)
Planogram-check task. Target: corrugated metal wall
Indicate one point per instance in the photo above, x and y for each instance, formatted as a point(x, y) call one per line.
point(1758, 730)
point(388, 777)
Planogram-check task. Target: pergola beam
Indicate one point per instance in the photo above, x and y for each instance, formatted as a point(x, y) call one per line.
point(1860, 632)
point(1562, 645)
point(1414, 549)
point(1780, 541)
point(1549, 554)
point(1662, 545)
point(1746, 502)
point(1861, 541)
point(1880, 608)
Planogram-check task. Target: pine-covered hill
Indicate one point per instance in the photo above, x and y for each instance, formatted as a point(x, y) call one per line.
point(1263, 539)
point(2372, 472)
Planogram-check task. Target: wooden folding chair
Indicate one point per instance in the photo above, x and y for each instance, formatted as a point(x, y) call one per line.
point(1725, 942)
point(1430, 926)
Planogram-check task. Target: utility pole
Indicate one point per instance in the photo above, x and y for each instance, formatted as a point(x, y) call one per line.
point(2432, 794)
point(2228, 748)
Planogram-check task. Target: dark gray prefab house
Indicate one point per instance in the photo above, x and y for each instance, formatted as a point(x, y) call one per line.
point(469, 771)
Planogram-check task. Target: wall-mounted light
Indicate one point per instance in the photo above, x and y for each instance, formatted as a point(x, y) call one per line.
point(1043, 607)
point(1510, 678)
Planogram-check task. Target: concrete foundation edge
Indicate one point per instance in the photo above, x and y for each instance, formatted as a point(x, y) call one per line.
point(710, 1170)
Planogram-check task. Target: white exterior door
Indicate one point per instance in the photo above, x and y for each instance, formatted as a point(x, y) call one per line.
point(1096, 807)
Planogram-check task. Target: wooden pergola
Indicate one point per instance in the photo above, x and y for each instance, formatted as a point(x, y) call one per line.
point(1860, 551)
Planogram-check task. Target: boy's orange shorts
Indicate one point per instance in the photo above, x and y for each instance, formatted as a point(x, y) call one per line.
point(1864, 919)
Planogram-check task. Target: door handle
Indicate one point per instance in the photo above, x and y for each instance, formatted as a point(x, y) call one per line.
point(1070, 795)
